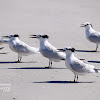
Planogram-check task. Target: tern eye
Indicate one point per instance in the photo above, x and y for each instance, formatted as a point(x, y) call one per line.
point(43, 36)
point(72, 49)
point(86, 24)
point(66, 49)
point(40, 36)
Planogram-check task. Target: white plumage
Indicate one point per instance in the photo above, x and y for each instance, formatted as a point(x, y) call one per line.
point(77, 66)
point(91, 34)
point(20, 47)
point(48, 50)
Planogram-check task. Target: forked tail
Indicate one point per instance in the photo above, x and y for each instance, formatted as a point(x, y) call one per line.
point(97, 70)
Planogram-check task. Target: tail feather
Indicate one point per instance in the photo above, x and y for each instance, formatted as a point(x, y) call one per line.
point(1, 48)
point(97, 70)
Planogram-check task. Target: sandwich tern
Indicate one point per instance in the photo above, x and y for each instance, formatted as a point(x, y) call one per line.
point(20, 47)
point(78, 67)
point(91, 34)
point(48, 50)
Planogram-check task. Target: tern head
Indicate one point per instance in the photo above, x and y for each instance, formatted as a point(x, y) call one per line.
point(87, 25)
point(40, 36)
point(11, 36)
point(67, 50)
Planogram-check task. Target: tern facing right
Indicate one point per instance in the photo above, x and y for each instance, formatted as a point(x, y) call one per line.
point(77, 66)
point(91, 34)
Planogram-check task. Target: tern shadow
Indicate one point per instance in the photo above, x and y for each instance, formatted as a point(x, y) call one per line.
point(28, 68)
point(94, 61)
point(85, 51)
point(4, 53)
point(15, 62)
point(61, 82)
point(36, 68)
point(7, 62)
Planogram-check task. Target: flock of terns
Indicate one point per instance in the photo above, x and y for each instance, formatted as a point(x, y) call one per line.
point(77, 66)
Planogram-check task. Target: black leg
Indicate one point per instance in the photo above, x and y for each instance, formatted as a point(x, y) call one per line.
point(74, 78)
point(77, 78)
point(96, 47)
point(50, 64)
point(19, 58)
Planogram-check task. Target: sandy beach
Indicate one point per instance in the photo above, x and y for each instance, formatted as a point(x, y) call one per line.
point(61, 20)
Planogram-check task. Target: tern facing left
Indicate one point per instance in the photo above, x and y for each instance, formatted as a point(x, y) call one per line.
point(91, 34)
point(48, 50)
point(77, 66)
point(20, 47)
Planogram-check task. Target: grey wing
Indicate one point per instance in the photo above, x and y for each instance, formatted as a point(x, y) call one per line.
point(52, 54)
point(22, 47)
point(95, 37)
point(48, 52)
point(79, 67)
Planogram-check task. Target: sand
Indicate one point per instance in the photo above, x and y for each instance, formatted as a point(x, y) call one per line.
point(60, 19)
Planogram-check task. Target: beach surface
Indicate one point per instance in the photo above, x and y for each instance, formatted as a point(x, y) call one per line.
point(60, 20)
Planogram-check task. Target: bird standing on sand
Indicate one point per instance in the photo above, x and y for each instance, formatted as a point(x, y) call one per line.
point(49, 51)
point(77, 66)
point(91, 34)
point(20, 47)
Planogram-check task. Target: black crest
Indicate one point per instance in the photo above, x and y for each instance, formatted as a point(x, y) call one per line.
point(16, 35)
point(89, 24)
point(45, 36)
point(72, 49)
